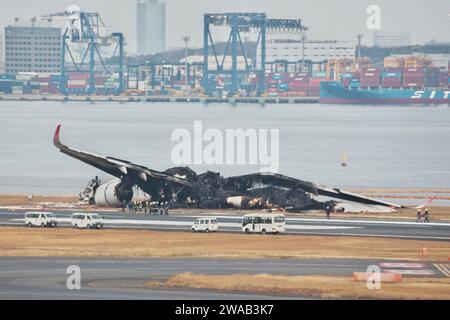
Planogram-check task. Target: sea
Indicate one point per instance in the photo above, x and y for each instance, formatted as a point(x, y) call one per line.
point(384, 147)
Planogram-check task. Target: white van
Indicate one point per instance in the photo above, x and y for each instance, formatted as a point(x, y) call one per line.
point(87, 221)
point(40, 219)
point(263, 223)
point(205, 225)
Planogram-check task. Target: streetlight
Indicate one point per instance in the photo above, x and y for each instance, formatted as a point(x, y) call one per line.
point(303, 38)
point(186, 73)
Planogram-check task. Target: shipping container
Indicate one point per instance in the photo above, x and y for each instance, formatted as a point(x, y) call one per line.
point(355, 83)
point(391, 82)
point(393, 62)
point(7, 77)
point(391, 75)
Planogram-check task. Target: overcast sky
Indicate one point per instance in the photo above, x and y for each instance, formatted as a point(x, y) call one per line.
point(327, 19)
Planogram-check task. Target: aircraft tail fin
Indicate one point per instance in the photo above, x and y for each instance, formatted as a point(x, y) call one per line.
point(426, 203)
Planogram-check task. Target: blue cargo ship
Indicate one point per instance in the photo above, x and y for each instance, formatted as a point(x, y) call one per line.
point(335, 92)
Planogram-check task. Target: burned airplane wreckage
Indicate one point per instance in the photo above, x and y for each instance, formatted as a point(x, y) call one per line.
point(181, 187)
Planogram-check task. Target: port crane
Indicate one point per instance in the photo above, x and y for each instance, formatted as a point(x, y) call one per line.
point(240, 23)
point(87, 31)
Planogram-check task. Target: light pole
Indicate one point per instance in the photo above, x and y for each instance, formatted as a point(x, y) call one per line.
point(303, 38)
point(359, 38)
point(186, 73)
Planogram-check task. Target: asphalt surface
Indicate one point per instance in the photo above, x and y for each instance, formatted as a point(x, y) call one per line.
point(312, 226)
point(111, 278)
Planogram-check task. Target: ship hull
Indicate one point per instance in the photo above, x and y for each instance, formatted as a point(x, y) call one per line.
point(334, 93)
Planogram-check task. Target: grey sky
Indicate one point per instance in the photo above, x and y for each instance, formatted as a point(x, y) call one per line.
point(327, 19)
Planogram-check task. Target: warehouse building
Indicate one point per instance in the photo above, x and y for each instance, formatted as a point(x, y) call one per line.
point(313, 50)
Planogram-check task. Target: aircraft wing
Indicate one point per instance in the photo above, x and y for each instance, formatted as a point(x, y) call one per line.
point(247, 182)
point(142, 176)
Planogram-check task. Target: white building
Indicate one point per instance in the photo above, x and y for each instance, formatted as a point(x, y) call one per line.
point(151, 26)
point(391, 38)
point(32, 47)
point(316, 51)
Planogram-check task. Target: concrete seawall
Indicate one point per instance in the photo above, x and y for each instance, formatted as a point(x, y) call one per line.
point(253, 100)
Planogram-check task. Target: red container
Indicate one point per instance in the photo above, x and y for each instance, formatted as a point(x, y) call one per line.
point(393, 70)
point(366, 75)
point(413, 84)
point(314, 92)
point(315, 82)
point(370, 82)
point(413, 70)
point(371, 70)
point(391, 82)
point(296, 94)
point(409, 78)
point(78, 76)
point(346, 82)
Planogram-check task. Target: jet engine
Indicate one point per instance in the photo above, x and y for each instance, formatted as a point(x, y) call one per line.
point(113, 193)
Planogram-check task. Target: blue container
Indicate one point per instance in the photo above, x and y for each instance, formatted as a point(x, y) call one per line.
point(283, 87)
point(276, 77)
point(354, 83)
point(7, 77)
point(391, 75)
point(346, 76)
point(319, 74)
point(5, 86)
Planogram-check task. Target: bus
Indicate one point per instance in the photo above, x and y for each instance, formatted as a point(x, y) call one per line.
point(263, 223)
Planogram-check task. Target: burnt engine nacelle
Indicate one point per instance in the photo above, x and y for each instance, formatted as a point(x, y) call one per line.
point(113, 194)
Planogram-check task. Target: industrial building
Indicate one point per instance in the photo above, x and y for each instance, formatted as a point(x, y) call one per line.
point(316, 51)
point(391, 38)
point(151, 26)
point(32, 47)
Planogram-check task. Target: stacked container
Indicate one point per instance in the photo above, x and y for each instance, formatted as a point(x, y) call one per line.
point(393, 62)
point(298, 84)
point(6, 81)
point(391, 78)
point(413, 78)
point(370, 77)
point(77, 81)
point(431, 77)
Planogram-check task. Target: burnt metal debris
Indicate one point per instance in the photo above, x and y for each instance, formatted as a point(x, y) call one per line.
point(182, 187)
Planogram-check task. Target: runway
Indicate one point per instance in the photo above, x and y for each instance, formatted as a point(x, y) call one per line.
point(294, 225)
point(104, 278)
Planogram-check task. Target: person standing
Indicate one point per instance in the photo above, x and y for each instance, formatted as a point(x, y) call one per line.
point(419, 216)
point(426, 216)
point(328, 211)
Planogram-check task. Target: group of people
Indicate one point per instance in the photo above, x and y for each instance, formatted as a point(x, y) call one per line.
point(425, 215)
point(145, 207)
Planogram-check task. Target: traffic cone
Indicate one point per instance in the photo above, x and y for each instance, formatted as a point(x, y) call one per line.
point(424, 252)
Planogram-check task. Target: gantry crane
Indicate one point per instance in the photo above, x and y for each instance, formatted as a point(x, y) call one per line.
point(89, 33)
point(241, 23)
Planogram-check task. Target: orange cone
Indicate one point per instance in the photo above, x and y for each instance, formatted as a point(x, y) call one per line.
point(424, 252)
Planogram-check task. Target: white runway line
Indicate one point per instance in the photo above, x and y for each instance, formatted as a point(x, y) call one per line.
point(443, 268)
point(421, 272)
point(442, 224)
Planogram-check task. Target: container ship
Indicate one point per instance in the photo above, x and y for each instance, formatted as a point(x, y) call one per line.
point(335, 92)
point(410, 80)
